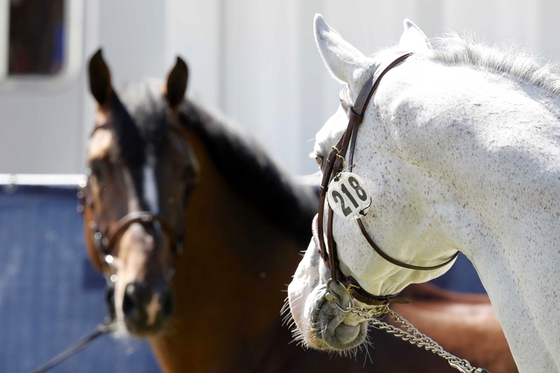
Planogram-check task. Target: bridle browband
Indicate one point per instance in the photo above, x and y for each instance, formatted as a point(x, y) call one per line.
point(335, 164)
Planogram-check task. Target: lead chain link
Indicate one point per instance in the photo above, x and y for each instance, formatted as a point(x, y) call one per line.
point(412, 335)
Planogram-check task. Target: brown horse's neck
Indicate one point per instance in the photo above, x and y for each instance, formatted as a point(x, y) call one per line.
point(229, 280)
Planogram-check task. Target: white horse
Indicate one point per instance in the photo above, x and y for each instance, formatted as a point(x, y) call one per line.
point(459, 149)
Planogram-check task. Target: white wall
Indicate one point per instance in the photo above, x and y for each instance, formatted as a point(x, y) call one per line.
point(272, 80)
point(255, 60)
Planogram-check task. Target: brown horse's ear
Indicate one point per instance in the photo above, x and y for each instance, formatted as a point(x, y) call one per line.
point(99, 78)
point(177, 83)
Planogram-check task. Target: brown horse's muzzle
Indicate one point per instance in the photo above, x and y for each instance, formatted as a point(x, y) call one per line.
point(146, 308)
point(143, 297)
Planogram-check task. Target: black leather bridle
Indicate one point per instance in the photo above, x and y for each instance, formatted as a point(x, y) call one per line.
point(335, 164)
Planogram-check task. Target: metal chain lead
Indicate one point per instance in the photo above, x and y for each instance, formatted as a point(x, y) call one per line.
point(413, 336)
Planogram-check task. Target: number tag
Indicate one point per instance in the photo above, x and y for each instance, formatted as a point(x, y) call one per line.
point(348, 197)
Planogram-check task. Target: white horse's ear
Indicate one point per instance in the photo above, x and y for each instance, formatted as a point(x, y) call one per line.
point(413, 39)
point(341, 58)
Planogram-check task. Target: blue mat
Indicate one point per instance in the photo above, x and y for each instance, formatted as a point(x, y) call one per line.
point(50, 295)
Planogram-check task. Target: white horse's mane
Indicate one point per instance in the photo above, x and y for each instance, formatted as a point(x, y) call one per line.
point(513, 61)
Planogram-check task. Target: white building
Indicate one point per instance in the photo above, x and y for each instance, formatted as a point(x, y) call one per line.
point(253, 59)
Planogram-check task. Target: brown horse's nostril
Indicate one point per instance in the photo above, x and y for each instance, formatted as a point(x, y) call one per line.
point(146, 307)
point(166, 300)
point(136, 297)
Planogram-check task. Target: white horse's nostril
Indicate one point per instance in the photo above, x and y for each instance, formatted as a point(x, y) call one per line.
point(346, 333)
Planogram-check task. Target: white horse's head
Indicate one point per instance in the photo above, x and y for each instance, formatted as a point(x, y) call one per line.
point(401, 220)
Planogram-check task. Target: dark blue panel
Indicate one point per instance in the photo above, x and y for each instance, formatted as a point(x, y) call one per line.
point(461, 277)
point(49, 294)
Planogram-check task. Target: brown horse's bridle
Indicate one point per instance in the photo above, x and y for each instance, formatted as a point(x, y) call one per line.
point(106, 241)
point(336, 163)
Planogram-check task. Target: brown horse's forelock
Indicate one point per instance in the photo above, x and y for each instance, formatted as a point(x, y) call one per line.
point(147, 106)
point(139, 122)
point(130, 142)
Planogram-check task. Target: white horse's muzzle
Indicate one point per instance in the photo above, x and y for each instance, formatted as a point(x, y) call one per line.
point(319, 307)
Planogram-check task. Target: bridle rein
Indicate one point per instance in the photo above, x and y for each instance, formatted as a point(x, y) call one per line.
point(335, 164)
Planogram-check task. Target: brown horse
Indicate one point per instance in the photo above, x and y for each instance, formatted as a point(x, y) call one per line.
point(166, 173)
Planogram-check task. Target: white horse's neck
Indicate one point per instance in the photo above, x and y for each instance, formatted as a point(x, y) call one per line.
point(458, 156)
point(482, 153)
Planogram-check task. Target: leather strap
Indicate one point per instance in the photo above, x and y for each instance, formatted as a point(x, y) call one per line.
point(335, 160)
point(142, 217)
point(396, 261)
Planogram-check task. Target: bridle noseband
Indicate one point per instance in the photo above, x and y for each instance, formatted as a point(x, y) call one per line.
point(335, 165)
point(105, 243)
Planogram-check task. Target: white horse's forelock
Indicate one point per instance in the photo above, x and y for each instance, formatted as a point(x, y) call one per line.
point(512, 60)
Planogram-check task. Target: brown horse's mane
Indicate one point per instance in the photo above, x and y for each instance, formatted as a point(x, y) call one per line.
point(252, 173)
point(240, 159)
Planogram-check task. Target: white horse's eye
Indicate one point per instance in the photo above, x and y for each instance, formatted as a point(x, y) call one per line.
point(319, 161)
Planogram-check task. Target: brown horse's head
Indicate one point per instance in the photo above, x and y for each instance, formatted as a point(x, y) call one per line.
point(140, 173)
